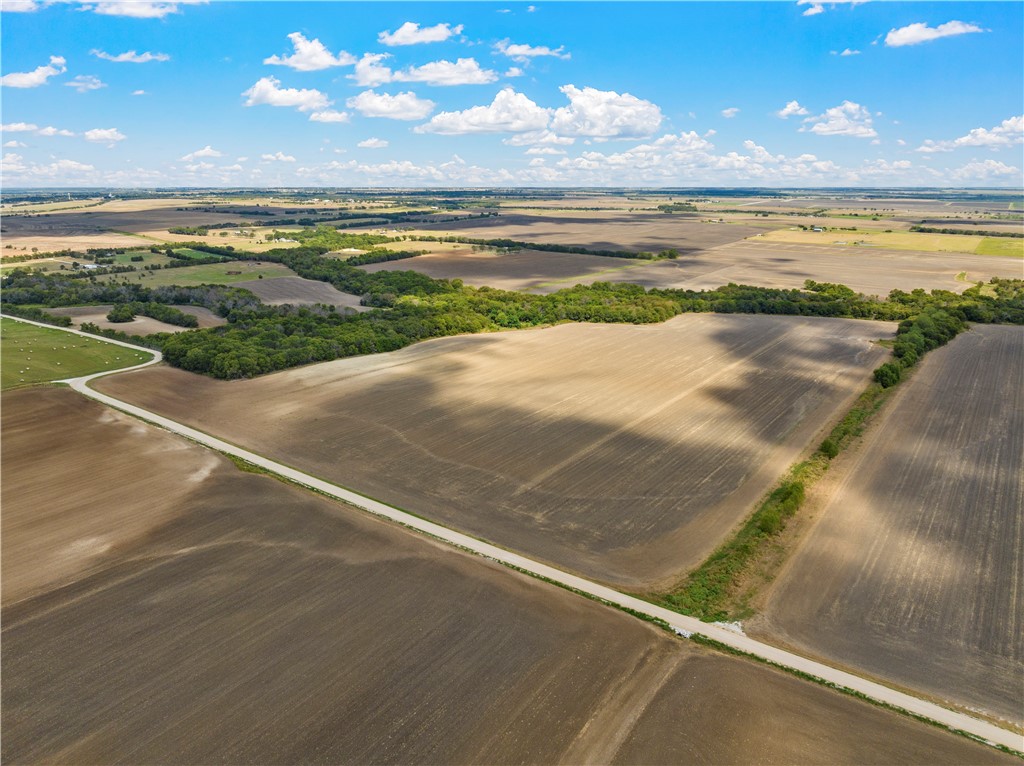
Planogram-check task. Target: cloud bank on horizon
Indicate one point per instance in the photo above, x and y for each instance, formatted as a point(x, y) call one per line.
point(605, 94)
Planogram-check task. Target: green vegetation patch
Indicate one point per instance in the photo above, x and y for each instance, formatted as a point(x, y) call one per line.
point(1001, 246)
point(208, 274)
point(31, 354)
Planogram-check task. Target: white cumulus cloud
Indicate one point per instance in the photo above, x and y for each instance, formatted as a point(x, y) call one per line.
point(523, 53)
point(83, 83)
point(130, 57)
point(14, 145)
point(49, 130)
point(915, 34)
point(818, 6)
point(37, 76)
point(605, 114)
point(329, 115)
point(410, 33)
point(847, 119)
point(373, 143)
point(206, 151)
point(18, 6)
point(1008, 133)
point(370, 72)
point(18, 127)
point(731, 112)
point(310, 56)
point(401, 106)
point(790, 109)
point(268, 90)
point(277, 157)
point(974, 172)
point(109, 136)
point(509, 112)
point(138, 9)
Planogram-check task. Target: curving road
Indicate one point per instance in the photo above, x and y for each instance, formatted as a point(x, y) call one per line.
point(682, 624)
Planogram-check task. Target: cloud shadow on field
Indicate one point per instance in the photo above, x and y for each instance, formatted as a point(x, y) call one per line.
point(624, 469)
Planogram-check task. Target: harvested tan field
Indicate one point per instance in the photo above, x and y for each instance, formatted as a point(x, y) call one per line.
point(622, 452)
point(751, 262)
point(263, 624)
point(915, 570)
point(525, 270)
point(49, 238)
point(140, 325)
point(602, 230)
point(300, 292)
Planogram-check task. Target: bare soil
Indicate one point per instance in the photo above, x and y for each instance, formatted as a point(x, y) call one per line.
point(602, 230)
point(915, 571)
point(752, 262)
point(300, 292)
point(259, 623)
point(51, 529)
point(141, 325)
point(626, 453)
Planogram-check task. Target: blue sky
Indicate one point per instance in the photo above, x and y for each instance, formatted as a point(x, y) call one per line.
point(507, 93)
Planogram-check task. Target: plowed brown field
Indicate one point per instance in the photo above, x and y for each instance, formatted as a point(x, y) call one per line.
point(300, 292)
point(751, 262)
point(602, 230)
point(258, 623)
point(622, 452)
point(915, 571)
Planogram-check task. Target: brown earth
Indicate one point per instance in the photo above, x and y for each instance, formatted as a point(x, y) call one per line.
point(51, 529)
point(258, 623)
point(915, 570)
point(525, 270)
point(750, 262)
point(602, 230)
point(300, 292)
point(622, 452)
point(141, 325)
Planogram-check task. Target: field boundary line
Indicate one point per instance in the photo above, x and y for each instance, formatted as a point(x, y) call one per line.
point(683, 625)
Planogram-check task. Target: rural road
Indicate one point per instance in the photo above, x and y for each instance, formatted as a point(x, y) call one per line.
point(682, 624)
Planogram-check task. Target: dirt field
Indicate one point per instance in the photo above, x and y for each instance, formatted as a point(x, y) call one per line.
point(915, 570)
point(605, 230)
point(300, 292)
point(244, 621)
point(622, 452)
point(526, 270)
point(751, 262)
point(140, 325)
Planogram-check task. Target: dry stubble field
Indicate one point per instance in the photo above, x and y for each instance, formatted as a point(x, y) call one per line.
point(914, 571)
point(623, 452)
point(601, 230)
point(240, 620)
point(751, 262)
point(141, 325)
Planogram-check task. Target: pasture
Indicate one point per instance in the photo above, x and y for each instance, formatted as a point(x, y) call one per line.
point(225, 273)
point(913, 571)
point(30, 354)
point(901, 240)
point(204, 615)
point(623, 452)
